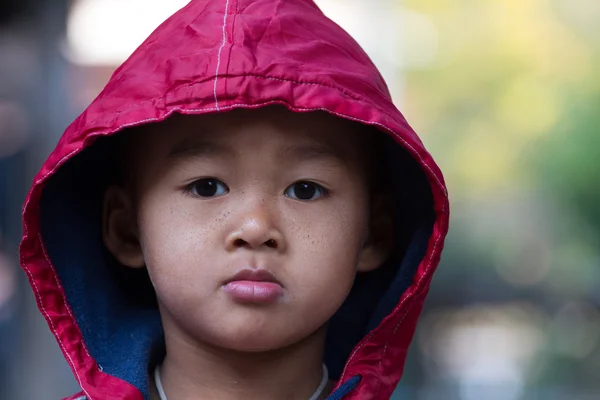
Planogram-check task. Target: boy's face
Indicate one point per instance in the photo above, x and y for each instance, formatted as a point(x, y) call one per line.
point(252, 224)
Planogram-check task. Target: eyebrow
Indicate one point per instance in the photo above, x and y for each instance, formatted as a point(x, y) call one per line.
point(312, 152)
point(197, 149)
point(299, 153)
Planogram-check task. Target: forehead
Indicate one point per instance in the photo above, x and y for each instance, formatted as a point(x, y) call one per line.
point(245, 130)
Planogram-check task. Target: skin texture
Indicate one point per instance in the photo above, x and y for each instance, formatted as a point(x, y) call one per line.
point(191, 244)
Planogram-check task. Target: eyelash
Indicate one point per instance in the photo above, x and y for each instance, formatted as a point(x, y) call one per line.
point(222, 189)
point(192, 188)
point(318, 188)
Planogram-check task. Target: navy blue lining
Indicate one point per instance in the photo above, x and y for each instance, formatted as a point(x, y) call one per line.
point(115, 307)
point(118, 319)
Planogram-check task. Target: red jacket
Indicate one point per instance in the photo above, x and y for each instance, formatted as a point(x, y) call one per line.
point(212, 56)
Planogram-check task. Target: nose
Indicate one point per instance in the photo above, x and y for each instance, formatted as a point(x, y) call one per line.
point(256, 230)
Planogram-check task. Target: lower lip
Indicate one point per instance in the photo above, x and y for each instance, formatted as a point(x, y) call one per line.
point(254, 291)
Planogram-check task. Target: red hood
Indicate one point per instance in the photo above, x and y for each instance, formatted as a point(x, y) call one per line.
point(214, 56)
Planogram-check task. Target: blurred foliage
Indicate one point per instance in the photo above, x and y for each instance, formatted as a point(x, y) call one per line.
point(570, 167)
point(504, 78)
point(510, 108)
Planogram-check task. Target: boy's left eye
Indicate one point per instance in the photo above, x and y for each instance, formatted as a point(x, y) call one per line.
point(305, 190)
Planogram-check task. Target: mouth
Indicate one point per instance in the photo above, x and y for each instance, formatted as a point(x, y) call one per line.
point(257, 286)
point(254, 275)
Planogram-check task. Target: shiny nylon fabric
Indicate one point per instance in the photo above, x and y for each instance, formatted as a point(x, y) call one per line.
point(219, 55)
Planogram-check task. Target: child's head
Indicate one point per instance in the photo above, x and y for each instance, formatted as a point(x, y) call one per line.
point(211, 204)
point(254, 226)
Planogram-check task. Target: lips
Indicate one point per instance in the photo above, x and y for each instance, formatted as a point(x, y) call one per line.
point(253, 275)
point(253, 286)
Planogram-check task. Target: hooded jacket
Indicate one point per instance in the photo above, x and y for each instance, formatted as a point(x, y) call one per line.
point(214, 56)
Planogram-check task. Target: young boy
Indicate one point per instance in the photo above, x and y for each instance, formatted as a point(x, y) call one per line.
point(242, 213)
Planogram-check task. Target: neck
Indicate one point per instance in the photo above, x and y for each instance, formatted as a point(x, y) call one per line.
point(194, 371)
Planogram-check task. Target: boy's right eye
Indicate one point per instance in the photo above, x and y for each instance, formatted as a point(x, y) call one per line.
point(208, 187)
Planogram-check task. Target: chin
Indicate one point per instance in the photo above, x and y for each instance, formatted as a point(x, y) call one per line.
point(248, 339)
point(250, 332)
point(255, 342)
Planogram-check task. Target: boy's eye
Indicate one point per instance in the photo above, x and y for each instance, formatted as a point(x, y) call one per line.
point(208, 187)
point(304, 190)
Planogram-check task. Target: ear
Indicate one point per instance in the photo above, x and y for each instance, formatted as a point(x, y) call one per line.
point(119, 228)
point(380, 240)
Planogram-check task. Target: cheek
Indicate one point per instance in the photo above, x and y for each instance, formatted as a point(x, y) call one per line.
point(336, 227)
point(174, 238)
point(328, 247)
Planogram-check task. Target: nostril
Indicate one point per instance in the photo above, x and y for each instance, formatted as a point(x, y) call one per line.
point(271, 243)
point(239, 243)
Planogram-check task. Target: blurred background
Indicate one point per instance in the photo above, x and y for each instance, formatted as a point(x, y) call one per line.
point(505, 94)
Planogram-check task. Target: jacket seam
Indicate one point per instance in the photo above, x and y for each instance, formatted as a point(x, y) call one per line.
point(414, 302)
point(414, 299)
point(345, 93)
point(51, 323)
point(218, 108)
point(224, 29)
point(55, 275)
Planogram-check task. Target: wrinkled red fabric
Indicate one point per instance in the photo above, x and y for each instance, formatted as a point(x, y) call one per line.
point(219, 55)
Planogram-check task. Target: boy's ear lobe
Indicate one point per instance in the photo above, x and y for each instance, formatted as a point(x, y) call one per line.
point(380, 241)
point(119, 228)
